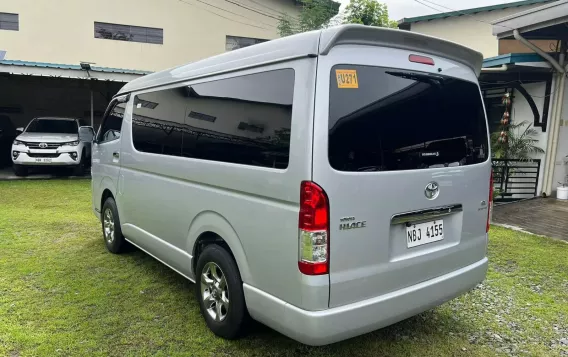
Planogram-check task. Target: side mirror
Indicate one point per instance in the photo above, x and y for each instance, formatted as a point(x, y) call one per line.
point(20, 130)
point(86, 134)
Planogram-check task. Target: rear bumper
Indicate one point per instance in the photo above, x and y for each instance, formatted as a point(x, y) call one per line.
point(343, 322)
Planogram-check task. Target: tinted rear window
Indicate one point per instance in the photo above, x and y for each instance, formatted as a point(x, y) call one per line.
point(392, 119)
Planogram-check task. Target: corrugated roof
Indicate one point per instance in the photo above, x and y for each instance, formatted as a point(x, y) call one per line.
point(443, 15)
point(512, 58)
point(71, 66)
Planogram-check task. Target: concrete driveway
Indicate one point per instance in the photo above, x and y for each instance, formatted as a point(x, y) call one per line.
point(544, 216)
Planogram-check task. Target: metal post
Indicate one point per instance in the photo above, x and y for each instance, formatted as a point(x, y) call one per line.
point(92, 111)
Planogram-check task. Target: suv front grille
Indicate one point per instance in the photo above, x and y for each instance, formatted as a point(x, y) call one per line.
point(50, 146)
point(46, 155)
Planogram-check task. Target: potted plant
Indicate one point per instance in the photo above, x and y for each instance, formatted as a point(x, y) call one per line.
point(562, 191)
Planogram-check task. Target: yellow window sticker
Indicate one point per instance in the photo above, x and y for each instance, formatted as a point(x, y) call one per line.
point(347, 78)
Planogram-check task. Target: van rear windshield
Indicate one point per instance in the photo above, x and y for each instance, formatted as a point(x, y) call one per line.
point(386, 119)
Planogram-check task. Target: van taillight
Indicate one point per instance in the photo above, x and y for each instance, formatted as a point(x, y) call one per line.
point(313, 224)
point(421, 59)
point(490, 202)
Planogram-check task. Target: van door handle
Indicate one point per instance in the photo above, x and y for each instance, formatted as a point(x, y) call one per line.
point(116, 155)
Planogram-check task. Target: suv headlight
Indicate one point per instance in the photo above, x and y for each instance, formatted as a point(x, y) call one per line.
point(18, 142)
point(72, 143)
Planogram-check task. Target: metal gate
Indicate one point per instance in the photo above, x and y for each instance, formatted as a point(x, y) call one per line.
point(515, 180)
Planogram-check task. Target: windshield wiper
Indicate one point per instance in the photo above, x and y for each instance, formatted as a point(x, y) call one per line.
point(425, 78)
point(370, 168)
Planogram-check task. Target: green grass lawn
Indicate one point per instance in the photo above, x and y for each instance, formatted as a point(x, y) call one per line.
point(62, 294)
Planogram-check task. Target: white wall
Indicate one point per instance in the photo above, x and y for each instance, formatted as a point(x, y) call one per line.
point(521, 112)
point(62, 31)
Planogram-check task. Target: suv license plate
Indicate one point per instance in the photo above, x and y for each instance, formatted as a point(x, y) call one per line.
point(424, 233)
point(43, 160)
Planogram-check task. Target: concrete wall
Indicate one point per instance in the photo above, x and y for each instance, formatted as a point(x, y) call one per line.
point(62, 31)
point(473, 31)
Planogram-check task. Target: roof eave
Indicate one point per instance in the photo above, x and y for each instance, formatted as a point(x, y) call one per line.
point(533, 19)
point(443, 15)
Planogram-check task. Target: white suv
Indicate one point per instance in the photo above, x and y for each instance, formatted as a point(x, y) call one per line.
point(50, 142)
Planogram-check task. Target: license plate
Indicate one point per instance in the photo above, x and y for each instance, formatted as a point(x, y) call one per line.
point(45, 160)
point(424, 233)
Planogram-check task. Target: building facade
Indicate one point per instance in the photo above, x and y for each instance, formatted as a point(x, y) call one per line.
point(69, 57)
point(148, 35)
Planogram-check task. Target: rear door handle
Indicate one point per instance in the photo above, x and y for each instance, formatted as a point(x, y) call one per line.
point(115, 155)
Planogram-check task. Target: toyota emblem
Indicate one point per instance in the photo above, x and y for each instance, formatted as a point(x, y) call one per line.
point(43, 145)
point(432, 190)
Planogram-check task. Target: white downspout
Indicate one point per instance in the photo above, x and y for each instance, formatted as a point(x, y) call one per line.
point(543, 54)
point(555, 133)
point(556, 111)
point(554, 106)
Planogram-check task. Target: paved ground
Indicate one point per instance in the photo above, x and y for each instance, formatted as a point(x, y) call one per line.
point(545, 216)
point(6, 174)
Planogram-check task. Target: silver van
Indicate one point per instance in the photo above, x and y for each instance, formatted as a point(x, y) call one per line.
point(326, 184)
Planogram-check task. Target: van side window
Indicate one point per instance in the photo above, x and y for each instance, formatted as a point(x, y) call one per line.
point(243, 120)
point(112, 124)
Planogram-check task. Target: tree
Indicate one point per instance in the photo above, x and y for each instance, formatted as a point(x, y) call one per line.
point(368, 12)
point(315, 15)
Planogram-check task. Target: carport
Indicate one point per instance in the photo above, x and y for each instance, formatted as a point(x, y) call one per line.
point(32, 89)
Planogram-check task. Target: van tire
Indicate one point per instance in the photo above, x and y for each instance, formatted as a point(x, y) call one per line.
point(109, 219)
point(20, 170)
point(236, 320)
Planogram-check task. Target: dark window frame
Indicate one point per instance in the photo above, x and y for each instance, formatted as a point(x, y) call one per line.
point(100, 134)
point(128, 33)
point(4, 22)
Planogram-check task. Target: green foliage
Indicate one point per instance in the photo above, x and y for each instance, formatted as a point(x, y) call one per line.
point(318, 14)
point(286, 25)
point(521, 144)
point(315, 15)
point(368, 12)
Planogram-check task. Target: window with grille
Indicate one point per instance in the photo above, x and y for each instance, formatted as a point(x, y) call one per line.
point(129, 33)
point(235, 42)
point(9, 21)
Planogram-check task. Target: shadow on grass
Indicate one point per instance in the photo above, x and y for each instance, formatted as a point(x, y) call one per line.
point(426, 328)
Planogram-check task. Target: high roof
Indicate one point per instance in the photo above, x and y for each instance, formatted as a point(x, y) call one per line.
point(309, 44)
point(405, 22)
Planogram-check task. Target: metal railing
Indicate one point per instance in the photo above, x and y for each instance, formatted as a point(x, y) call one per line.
point(515, 180)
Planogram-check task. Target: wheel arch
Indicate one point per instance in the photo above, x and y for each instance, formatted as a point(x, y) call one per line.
point(106, 189)
point(209, 227)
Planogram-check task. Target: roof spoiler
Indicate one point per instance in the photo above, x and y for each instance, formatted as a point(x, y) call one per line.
point(374, 36)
